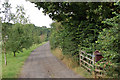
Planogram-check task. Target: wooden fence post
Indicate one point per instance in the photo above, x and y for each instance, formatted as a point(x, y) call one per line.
point(80, 56)
point(93, 72)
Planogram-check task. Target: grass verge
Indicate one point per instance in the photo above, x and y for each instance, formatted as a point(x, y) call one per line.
point(14, 64)
point(68, 61)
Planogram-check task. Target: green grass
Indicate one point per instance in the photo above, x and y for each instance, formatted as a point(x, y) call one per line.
point(14, 64)
point(84, 73)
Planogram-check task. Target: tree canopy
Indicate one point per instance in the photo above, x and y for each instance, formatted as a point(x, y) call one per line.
point(87, 26)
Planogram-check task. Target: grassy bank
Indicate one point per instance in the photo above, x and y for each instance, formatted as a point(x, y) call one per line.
point(14, 64)
point(69, 62)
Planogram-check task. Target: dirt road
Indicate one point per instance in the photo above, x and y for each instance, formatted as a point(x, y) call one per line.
point(43, 64)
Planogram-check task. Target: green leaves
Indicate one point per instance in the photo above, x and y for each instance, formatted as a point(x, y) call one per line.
point(20, 16)
point(109, 43)
point(18, 38)
point(89, 26)
point(22, 36)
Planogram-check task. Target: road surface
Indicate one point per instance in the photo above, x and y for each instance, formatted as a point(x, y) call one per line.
point(43, 64)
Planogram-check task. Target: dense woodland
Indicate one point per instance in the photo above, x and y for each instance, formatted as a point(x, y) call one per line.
point(86, 26)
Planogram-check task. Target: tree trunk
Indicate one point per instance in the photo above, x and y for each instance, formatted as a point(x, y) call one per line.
point(5, 55)
point(14, 54)
point(5, 58)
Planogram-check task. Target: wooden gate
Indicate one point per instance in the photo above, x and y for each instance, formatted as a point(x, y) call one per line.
point(87, 61)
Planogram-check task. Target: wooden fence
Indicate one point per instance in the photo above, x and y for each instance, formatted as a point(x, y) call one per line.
point(87, 61)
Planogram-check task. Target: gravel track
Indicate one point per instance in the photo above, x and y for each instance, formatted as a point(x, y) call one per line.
point(43, 64)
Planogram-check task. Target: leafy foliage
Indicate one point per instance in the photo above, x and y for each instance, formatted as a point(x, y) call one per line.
point(18, 38)
point(22, 36)
point(80, 25)
point(20, 16)
point(81, 21)
point(109, 44)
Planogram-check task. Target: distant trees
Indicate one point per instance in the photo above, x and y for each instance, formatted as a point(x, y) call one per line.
point(20, 35)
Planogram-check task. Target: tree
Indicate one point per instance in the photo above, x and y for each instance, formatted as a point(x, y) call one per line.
point(5, 11)
point(19, 37)
point(81, 20)
point(23, 36)
point(8, 30)
point(7, 17)
point(20, 16)
point(109, 43)
point(81, 26)
point(44, 27)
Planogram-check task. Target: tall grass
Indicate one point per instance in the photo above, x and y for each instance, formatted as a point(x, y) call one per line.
point(71, 64)
point(14, 64)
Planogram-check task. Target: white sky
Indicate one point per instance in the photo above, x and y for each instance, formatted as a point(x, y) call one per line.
point(36, 16)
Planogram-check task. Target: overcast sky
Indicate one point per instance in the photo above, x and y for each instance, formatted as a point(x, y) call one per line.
point(36, 16)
